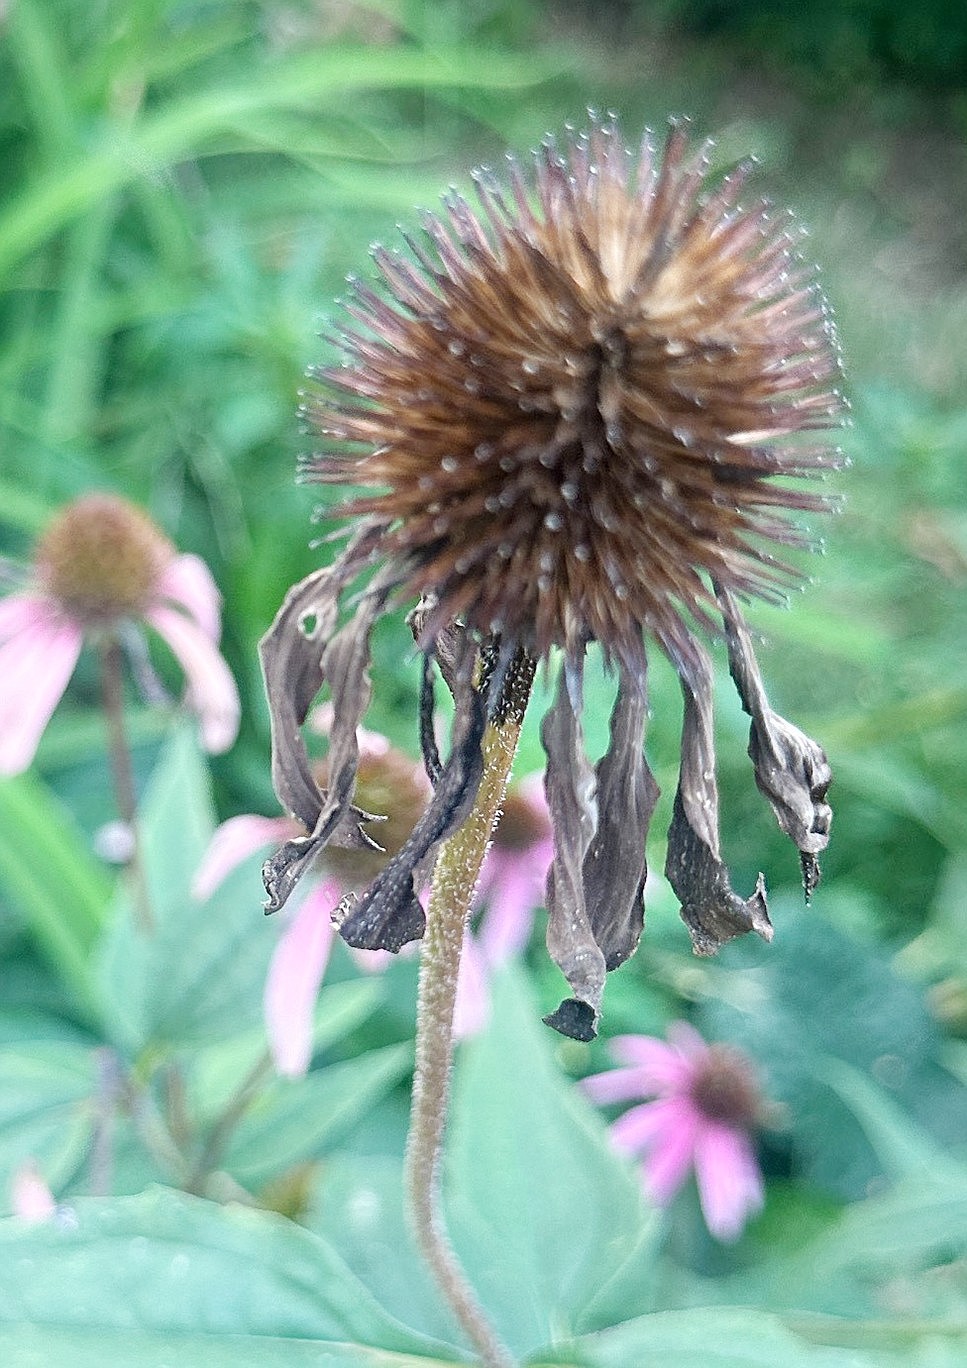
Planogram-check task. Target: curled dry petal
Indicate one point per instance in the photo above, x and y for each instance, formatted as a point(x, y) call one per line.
point(713, 912)
point(790, 768)
point(296, 652)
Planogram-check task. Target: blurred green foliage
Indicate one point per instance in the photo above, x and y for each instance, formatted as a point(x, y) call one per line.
point(186, 186)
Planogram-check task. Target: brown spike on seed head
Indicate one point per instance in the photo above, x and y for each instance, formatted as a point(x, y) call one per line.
point(569, 413)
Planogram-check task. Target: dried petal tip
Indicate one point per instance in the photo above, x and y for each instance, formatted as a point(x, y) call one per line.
point(101, 559)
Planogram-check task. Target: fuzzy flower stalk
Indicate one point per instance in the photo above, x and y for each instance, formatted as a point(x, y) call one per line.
point(582, 412)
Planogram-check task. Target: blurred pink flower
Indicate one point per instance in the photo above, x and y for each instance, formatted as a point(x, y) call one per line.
point(386, 778)
point(706, 1106)
point(511, 888)
point(295, 973)
point(101, 565)
point(30, 1197)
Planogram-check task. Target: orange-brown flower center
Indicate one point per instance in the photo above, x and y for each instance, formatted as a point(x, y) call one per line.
point(725, 1088)
point(521, 825)
point(100, 559)
point(388, 784)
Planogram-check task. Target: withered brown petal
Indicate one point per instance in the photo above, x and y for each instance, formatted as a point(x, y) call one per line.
point(388, 913)
point(569, 783)
point(299, 653)
point(615, 865)
point(713, 912)
point(791, 770)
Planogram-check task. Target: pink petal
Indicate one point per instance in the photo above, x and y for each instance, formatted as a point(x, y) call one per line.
point(233, 842)
point(659, 1067)
point(472, 1007)
point(30, 1197)
point(211, 689)
point(292, 983)
point(512, 889)
point(687, 1041)
point(18, 611)
point(373, 961)
point(187, 581)
point(665, 1130)
point(615, 1085)
point(35, 666)
point(729, 1179)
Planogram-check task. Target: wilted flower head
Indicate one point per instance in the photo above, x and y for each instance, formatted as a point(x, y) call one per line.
point(100, 566)
point(707, 1105)
point(564, 416)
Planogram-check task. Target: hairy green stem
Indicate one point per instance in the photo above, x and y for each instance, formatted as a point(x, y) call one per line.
point(451, 896)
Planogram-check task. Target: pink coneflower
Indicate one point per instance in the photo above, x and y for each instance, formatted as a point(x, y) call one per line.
point(101, 567)
point(707, 1104)
point(389, 781)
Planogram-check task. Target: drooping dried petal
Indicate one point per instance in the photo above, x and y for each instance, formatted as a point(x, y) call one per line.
point(615, 868)
point(790, 768)
point(296, 652)
point(713, 912)
point(389, 914)
point(600, 818)
point(570, 787)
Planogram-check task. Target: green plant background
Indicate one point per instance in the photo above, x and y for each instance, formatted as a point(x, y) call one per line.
point(185, 187)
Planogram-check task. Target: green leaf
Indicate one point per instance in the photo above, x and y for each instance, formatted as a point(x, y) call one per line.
point(215, 1069)
point(298, 1119)
point(198, 974)
point(542, 1211)
point(51, 877)
point(358, 1205)
point(704, 1337)
point(46, 1090)
point(170, 1264)
point(31, 1346)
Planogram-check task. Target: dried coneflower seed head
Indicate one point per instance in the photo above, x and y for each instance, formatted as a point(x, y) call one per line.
point(100, 559)
point(583, 412)
point(568, 414)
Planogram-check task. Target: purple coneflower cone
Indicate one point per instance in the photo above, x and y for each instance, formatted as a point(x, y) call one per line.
point(586, 411)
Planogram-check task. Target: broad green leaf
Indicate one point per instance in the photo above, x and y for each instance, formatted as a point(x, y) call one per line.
point(298, 1119)
point(198, 974)
point(903, 1149)
point(32, 1346)
point(216, 1069)
point(164, 1262)
point(359, 1207)
point(51, 877)
point(711, 1337)
point(46, 1108)
point(541, 1210)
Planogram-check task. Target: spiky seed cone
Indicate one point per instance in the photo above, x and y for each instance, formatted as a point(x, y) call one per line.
point(569, 413)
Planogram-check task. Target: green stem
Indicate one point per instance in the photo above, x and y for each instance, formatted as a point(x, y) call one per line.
point(122, 773)
point(451, 896)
